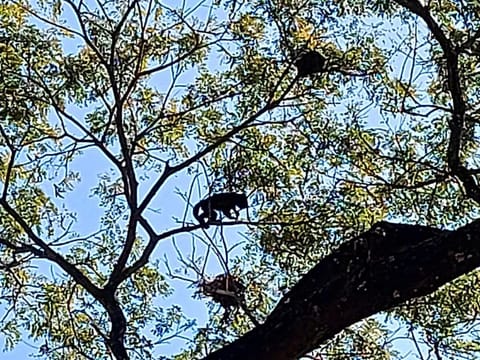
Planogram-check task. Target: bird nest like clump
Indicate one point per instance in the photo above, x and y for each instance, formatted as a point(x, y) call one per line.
point(225, 289)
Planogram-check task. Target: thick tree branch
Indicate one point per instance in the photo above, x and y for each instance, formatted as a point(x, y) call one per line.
point(116, 338)
point(382, 268)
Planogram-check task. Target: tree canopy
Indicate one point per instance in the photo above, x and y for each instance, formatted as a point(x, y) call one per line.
point(363, 179)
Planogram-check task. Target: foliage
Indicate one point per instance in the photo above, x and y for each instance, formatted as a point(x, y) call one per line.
point(109, 102)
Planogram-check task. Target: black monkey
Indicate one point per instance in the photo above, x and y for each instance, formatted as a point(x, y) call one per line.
point(310, 63)
point(224, 202)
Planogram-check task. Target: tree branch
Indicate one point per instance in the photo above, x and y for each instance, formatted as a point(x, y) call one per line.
point(50, 254)
point(116, 338)
point(380, 269)
point(169, 170)
point(454, 86)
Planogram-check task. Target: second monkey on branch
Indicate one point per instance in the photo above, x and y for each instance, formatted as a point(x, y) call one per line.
point(206, 210)
point(309, 63)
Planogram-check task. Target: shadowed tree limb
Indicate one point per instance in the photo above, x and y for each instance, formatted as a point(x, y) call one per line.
point(380, 269)
point(451, 56)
